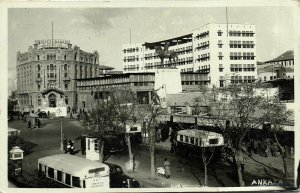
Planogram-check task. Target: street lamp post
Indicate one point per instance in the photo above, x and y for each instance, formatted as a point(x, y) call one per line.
point(61, 135)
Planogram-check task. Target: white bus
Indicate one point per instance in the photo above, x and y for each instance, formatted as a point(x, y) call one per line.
point(200, 138)
point(191, 142)
point(73, 171)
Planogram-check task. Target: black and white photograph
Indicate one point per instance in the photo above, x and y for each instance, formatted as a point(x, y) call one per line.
point(111, 98)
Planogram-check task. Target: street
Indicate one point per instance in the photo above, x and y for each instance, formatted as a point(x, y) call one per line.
point(184, 172)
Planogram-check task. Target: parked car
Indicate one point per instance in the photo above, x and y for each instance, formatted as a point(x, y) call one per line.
point(42, 114)
point(120, 180)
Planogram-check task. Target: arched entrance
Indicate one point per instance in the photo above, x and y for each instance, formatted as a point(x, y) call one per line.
point(52, 100)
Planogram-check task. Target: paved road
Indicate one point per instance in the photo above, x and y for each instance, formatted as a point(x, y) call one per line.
point(185, 172)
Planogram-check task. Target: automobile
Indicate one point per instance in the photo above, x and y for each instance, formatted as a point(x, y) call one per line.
point(120, 180)
point(42, 114)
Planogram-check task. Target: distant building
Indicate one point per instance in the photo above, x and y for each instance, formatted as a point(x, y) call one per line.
point(47, 73)
point(279, 72)
point(164, 81)
point(225, 52)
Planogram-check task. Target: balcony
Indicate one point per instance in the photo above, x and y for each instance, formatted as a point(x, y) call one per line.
point(66, 79)
point(39, 79)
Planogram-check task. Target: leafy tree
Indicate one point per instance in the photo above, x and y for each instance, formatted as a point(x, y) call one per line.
point(125, 104)
point(149, 113)
point(98, 120)
point(274, 113)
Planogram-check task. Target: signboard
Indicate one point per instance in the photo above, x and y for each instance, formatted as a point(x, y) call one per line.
point(61, 111)
point(49, 43)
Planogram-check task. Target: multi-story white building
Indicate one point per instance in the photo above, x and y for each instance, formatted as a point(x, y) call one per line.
point(225, 52)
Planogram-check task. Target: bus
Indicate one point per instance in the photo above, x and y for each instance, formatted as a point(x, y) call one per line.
point(73, 171)
point(191, 141)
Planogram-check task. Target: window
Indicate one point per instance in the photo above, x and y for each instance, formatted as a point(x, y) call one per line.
point(66, 86)
point(66, 100)
point(38, 57)
point(96, 146)
point(59, 176)
point(65, 67)
point(221, 83)
point(39, 100)
point(192, 140)
point(186, 139)
point(50, 172)
point(181, 137)
point(75, 181)
point(88, 144)
point(65, 57)
point(66, 75)
point(68, 179)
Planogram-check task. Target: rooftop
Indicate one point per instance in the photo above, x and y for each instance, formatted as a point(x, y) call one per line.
point(288, 55)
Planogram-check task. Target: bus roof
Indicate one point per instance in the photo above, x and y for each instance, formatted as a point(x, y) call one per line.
point(71, 164)
point(197, 133)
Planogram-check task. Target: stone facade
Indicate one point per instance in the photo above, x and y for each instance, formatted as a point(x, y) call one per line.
point(47, 73)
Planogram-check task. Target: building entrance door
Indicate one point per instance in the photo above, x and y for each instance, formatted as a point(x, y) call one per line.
point(52, 100)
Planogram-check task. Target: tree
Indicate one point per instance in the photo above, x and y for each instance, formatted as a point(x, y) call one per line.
point(124, 101)
point(98, 120)
point(149, 113)
point(232, 109)
point(274, 113)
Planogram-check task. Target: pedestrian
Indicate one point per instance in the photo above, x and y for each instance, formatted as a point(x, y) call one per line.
point(272, 150)
point(283, 152)
point(70, 147)
point(167, 168)
point(133, 162)
point(83, 145)
point(48, 114)
point(39, 123)
point(65, 144)
point(29, 125)
point(71, 115)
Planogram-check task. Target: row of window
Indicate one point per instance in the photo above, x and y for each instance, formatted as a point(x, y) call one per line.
point(202, 35)
point(241, 33)
point(60, 176)
point(130, 50)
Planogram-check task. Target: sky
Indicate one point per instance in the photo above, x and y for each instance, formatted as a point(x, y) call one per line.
point(106, 29)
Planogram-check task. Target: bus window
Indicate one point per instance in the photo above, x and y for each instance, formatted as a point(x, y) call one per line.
point(186, 139)
point(192, 140)
point(40, 167)
point(59, 176)
point(213, 141)
point(83, 183)
point(181, 137)
point(68, 179)
point(75, 181)
point(50, 172)
point(88, 144)
point(197, 141)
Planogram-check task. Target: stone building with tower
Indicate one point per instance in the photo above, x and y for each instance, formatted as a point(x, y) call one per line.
point(47, 73)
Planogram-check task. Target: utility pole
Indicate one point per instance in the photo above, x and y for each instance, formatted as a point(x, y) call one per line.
point(52, 34)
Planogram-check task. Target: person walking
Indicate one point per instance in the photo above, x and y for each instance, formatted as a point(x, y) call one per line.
point(29, 125)
point(71, 115)
point(65, 144)
point(48, 114)
point(133, 162)
point(83, 145)
point(167, 168)
point(39, 123)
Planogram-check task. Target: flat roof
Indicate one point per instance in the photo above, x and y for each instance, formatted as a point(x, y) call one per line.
point(71, 164)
